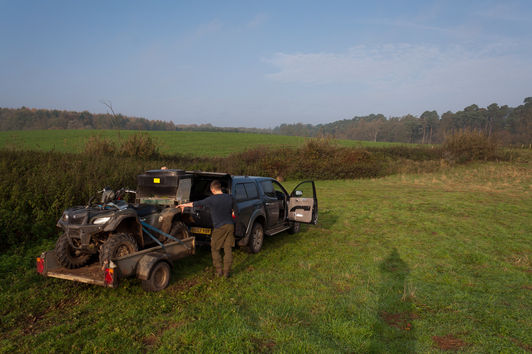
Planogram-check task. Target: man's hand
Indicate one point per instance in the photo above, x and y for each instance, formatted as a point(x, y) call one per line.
point(183, 206)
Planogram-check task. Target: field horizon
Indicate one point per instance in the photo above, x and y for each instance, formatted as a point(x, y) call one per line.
point(194, 143)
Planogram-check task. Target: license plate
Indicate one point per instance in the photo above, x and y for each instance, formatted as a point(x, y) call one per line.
point(200, 230)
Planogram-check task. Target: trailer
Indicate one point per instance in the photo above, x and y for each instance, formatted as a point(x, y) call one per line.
point(152, 266)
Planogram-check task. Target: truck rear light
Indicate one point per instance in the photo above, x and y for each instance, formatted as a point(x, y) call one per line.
point(109, 276)
point(40, 265)
point(233, 215)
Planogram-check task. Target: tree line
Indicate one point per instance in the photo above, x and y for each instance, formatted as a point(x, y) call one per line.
point(508, 125)
point(31, 119)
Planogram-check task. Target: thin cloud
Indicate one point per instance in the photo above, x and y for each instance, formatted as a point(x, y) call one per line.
point(503, 12)
point(394, 65)
point(258, 20)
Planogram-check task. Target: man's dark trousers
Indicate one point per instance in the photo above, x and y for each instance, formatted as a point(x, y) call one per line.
point(223, 237)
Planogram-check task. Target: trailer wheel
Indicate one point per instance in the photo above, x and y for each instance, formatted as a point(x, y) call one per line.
point(294, 229)
point(159, 277)
point(117, 245)
point(67, 256)
point(256, 238)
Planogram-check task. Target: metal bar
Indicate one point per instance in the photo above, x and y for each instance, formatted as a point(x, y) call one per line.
point(153, 228)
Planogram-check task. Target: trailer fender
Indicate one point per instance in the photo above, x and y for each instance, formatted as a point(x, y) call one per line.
point(146, 263)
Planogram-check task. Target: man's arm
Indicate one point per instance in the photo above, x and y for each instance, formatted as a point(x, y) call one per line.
point(186, 205)
point(197, 203)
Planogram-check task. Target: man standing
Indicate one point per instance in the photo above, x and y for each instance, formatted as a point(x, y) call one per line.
point(221, 207)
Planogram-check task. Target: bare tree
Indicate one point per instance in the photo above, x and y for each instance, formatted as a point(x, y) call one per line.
point(109, 105)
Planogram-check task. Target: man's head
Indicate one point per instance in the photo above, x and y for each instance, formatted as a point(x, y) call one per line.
point(216, 187)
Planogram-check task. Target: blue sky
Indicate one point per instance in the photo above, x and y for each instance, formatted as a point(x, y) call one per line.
point(263, 63)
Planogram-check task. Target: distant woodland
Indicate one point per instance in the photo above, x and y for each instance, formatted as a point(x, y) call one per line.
point(509, 125)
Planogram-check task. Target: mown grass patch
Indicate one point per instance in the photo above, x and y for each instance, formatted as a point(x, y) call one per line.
point(172, 142)
point(405, 263)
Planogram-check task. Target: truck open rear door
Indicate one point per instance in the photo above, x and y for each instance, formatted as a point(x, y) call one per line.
point(303, 203)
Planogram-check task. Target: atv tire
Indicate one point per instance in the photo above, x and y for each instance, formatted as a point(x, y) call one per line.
point(117, 245)
point(66, 255)
point(179, 230)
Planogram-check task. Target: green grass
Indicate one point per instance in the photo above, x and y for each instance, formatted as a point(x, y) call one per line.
point(408, 263)
point(184, 142)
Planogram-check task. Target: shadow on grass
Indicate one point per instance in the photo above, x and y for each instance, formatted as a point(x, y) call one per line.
point(393, 330)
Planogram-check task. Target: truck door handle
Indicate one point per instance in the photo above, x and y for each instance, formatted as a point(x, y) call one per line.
point(268, 203)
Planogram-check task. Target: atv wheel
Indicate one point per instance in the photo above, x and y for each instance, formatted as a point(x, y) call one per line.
point(179, 230)
point(159, 277)
point(294, 229)
point(117, 245)
point(256, 238)
point(67, 256)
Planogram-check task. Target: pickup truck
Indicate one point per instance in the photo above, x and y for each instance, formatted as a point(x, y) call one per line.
point(264, 207)
point(144, 238)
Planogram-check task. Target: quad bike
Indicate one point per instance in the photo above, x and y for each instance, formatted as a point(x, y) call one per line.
point(113, 227)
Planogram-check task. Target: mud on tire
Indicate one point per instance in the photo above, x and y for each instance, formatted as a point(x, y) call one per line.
point(66, 255)
point(179, 230)
point(117, 245)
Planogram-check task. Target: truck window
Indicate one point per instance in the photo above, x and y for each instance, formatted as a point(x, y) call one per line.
point(267, 187)
point(251, 190)
point(240, 192)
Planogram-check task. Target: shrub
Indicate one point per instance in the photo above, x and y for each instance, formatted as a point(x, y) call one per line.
point(96, 145)
point(140, 145)
point(467, 145)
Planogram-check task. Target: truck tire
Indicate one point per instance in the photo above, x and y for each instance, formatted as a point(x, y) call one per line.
point(179, 230)
point(294, 229)
point(159, 277)
point(66, 255)
point(117, 245)
point(256, 238)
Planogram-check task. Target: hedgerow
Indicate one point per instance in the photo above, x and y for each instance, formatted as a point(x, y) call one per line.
point(35, 187)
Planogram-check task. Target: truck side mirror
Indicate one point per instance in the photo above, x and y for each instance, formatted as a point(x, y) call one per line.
point(298, 193)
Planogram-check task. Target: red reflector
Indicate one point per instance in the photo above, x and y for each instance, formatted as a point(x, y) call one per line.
point(40, 265)
point(109, 275)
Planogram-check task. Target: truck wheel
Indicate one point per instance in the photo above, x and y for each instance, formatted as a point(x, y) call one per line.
point(117, 245)
point(256, 238)
point(179, 230)
point(67, 256)
point(159, 277)
point(294, 229)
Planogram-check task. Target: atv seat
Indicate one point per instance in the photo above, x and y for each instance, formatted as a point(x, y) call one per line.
point(143, 210)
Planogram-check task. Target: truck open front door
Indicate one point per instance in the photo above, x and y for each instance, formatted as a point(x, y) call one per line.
point(303, 203)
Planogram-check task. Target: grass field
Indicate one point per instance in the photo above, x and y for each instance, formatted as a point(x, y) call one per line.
point(184, 142)
point(408, 263)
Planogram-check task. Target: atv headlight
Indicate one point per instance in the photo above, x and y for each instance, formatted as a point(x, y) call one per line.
point(65, 217)
point(99, 221)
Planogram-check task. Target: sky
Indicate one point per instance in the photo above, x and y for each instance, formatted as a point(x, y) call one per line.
point(263, 63)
